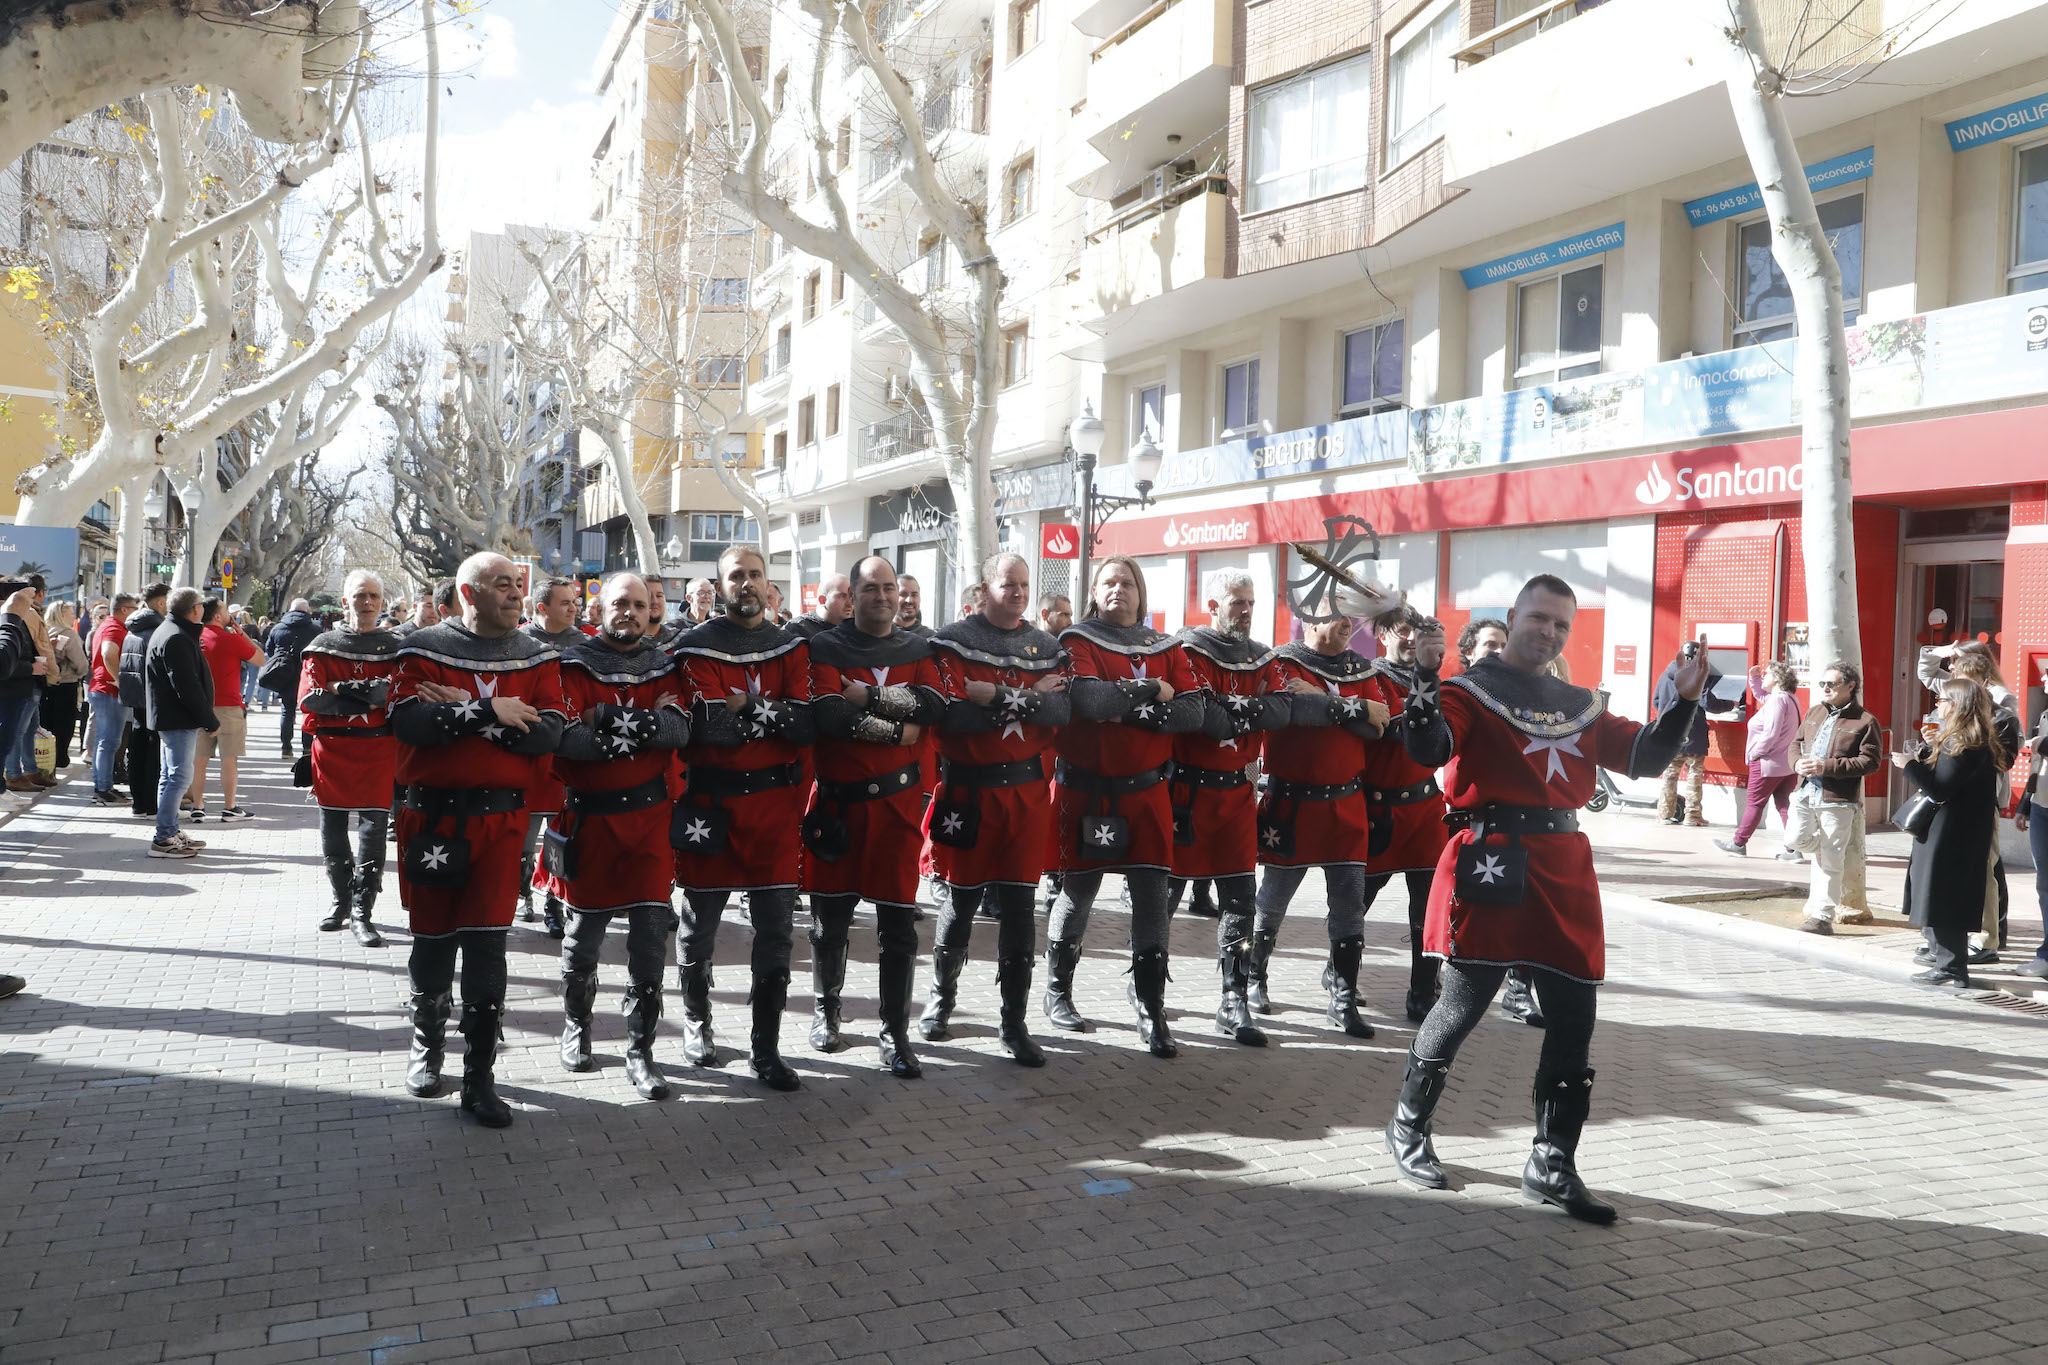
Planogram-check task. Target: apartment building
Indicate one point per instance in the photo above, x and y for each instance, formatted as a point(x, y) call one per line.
point(1494, 277)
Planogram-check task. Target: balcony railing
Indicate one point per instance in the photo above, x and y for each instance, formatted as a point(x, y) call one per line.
point(1522, 27)
point(906, 433)
point(1128, 216)
point(1124, 34)
point(882, 160)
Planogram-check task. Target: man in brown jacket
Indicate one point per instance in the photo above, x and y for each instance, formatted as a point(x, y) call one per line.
point(1838, 746)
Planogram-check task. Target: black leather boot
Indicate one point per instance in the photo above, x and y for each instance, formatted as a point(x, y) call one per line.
point(1408, 1131)
point(828, 979)
point(699, 1048)
point(1255, 994)
point(1562, 1099)
point(551, 915)
point(1233, 1012)
point(1342, 978)
point(579, 993)
point(341, 874)
point(1061, 957)
point(482, 1031)
point(643, 1014)
point(1518, 1002)
point(898, 971)
point(938, 1008)
point(526, 914)
point(770, 995)
point(1147, 991)
point(429, 1045)
point(367, 884)
point(1013, 979)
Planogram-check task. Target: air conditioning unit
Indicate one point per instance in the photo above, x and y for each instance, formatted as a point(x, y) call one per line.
point(1157, 182)
point(897, 390)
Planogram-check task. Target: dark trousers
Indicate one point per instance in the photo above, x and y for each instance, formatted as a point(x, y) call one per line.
point(372, 831)
point(1422, 971)
point(1951, 949)
point(145, 766)
point(288, 714)
point(770, 912)
point(60, 718)
point(646, 941)
point(431, 967)
point(1016, 925)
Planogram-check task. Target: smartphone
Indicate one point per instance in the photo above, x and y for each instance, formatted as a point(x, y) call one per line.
point(1690, 650)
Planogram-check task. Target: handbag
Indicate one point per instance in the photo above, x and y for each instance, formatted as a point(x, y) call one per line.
point(1492, 874)
point(1916, 816)
point(279, 672)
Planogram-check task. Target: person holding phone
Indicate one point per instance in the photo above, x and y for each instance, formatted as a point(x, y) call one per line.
point(1949, 868)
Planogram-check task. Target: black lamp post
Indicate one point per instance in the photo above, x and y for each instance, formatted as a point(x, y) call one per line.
point(1084, 443)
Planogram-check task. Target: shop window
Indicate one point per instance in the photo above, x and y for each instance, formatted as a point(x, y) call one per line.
point(2030, 223)
point(1372, 368)
point(1309, 135)
point(1765, 300)
point(1148, 413)
point(1557, 328)
point(1418, 82)
point(1240, 397)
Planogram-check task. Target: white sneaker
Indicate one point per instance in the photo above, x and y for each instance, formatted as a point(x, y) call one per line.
point(173, 847)
point(188, 841)
point(195, 814)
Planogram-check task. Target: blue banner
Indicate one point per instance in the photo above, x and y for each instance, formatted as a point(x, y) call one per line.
point(51, 551)
point(1748, 198)
point(1379, 439)
point(1996, 125)
point(1544, 257)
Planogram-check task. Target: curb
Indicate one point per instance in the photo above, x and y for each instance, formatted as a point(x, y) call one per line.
point(1790, 943)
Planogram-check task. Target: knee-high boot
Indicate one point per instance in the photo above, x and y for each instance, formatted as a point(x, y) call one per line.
point(1518, 1002)
point(1408, 1131)
point(828, 980)
point(429, 1044)
point(341, 874)
point(771, 993)
point(699, 1047)
point(898, 971)
point(1342, 977)
point(1233, 1012)
point(1147, 990)
point(1013, 979)
point(1263, 943)
point(938, 1009)
point(1061, 957)
point(481, 1034)
point(643, 1016)
point(368, 882)
point(579, 993)
point(1563, 1099)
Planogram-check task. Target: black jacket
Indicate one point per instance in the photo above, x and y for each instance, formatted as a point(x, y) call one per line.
point(290, 636)
point(179, 682)
point(141, 626)
point(1666, 697)
point(1945, 875)
point(17, 648)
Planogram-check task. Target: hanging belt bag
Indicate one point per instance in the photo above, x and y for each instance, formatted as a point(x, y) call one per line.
point(441, 861)
point(1106, 836)
point(1281, 808)
point(1498, 874)
point(956, 820)
point(824, 830)
point(704, 829)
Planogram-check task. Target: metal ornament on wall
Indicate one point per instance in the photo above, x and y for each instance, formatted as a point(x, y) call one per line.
point(1338, 579)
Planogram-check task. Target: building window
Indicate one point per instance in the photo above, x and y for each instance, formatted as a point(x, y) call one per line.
point(1418, 81)
point(932, 249)
point(1765, 300)
point(1557, 328)
point(725, 293)
point(1020, 189)
point(1372, 369)
point(778, 359)
point(813, 283)
point(1148, 412)
point(2030, 223)
point(781, 91)
point(832, 411)
point(1023, 26)
point(1016, 354)
point(711, 532)
point(781, 447)
point(1240, 396)
point(806, 422)
point(721, 370)
point(838, 285)
point(842, 149)
point(1309, 135)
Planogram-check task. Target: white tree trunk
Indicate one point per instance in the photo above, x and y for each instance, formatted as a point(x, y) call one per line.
point(130, 535)
point(1821, 375)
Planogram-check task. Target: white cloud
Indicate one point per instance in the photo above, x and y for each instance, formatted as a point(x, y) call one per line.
point(533, 167)
point(480, 46)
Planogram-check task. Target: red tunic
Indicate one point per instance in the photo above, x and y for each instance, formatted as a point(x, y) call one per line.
point(1016, 821)
point(622, 861)
point(545, 796)
point(1221, 839)
point(449, 655)
point(886, 834)
point(1326, 833)
point(1558, 924)
point(355, 756)
point(1116, 749)
point(771, 664)
point(1418, 826)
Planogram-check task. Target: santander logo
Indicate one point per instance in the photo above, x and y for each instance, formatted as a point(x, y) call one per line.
point(1733, 483)
point(1654, 488)
point(1224, 531)
point(1059, 544)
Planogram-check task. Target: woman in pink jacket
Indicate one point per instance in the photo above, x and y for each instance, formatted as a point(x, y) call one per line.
point(1769, 753)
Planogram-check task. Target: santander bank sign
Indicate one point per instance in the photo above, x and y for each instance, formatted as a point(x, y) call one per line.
point(1199, 531)
point(1736, 482)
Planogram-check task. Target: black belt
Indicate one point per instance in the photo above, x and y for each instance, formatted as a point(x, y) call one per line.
point(1404, 796)
point(1095, 784)
point(717, 783)
point(623, 801)
point(1521, 820)
point(463, 801)
point(1280, 789)
point(366, 732)
point(1224, 778)
point(870, 789)
point(1014, 774)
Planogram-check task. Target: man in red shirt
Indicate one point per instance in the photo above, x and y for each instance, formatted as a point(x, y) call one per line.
point(103, 693)
point(226, 650)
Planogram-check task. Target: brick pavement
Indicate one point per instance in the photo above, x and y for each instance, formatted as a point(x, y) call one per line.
point(206, 1154)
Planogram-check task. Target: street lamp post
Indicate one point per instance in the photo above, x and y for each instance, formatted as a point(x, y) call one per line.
point(191, 496)
point(1085, 436)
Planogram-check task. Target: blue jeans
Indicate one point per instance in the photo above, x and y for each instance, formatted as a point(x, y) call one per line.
point(21, 754)
point(180, 754)
point(248, 686)
point(108, 719)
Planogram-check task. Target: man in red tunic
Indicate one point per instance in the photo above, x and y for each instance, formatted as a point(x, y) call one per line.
point(1406, 823)
point(607, 852)
point(477, 706)
point(736, 825)
point(875, 691)
point(1215, 807)
point(991, 813)
point(554, 625)
point(1515, 887)
point(344, 686)
point(1132, 693)
point(1314, 813)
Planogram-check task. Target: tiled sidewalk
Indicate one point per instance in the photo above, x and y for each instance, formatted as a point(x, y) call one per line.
point(205, 1153)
